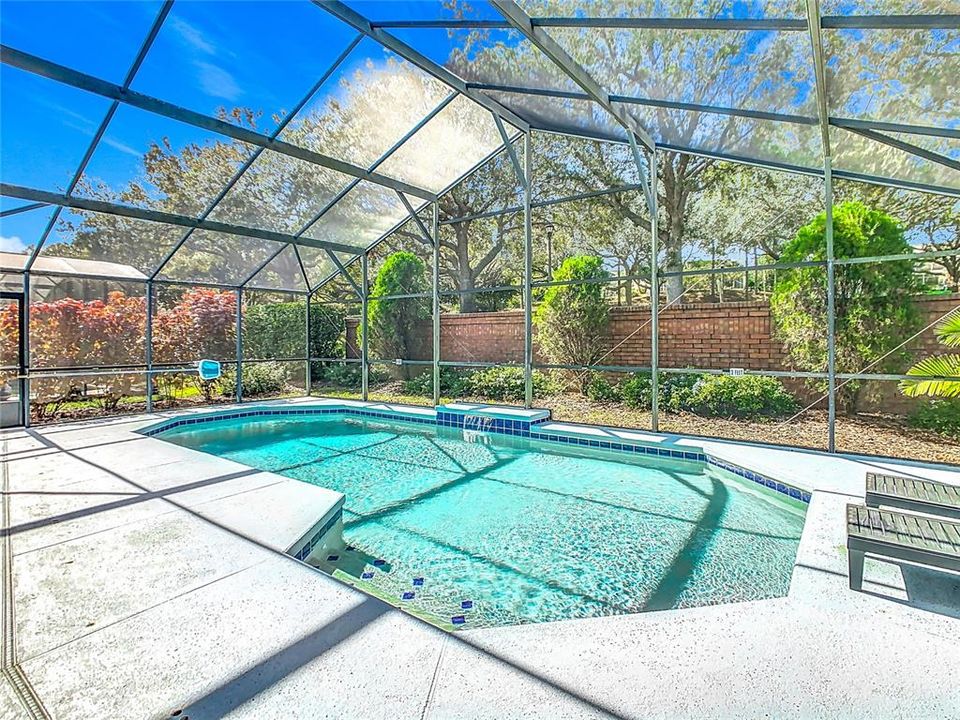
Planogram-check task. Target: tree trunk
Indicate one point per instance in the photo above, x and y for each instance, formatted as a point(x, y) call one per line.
point(464, 277)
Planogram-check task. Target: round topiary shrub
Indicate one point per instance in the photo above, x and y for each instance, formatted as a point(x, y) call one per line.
point(747, 396)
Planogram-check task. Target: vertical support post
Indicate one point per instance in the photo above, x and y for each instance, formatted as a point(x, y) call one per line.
point(308, 375)
point(239, 345)
point(364, 330)
point(527, 273)
point(654, 296)
point(148, 339)
point(831, 309)
point(25, 349)
point(435, 231)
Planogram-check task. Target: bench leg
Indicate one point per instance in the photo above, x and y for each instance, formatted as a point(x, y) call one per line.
point(855, 563)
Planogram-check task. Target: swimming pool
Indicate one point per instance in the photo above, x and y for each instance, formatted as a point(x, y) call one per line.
point(474, 529)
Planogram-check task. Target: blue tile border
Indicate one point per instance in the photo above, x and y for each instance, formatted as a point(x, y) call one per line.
point(759, 479)
point(314, 542)
point(515, 428)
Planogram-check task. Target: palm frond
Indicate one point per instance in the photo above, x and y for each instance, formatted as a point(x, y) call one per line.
point(940, 366)
point(948, 331)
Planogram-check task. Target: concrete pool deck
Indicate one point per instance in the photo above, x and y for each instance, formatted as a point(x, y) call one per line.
point(142, 578)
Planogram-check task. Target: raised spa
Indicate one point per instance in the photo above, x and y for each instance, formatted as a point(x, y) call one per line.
point(476, 529)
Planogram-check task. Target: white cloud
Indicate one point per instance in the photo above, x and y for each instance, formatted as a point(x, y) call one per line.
point(192, 36)
point(217, 82)
point(122, 147)
point(11, 244)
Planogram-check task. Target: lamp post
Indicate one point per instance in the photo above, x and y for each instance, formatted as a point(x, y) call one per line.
point(549, 230)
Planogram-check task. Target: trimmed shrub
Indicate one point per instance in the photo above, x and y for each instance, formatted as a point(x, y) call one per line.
point(748, 396)
point(572, 320)
point(506, 383)
point(258, 379)
point(674, 393)
point(874, 307)
point(599, 389)
point(274, 329)
point(453, 383)
point(349, 375)
point(342, 374)
point(392, 322)
point(636, 391)
point(941, 415)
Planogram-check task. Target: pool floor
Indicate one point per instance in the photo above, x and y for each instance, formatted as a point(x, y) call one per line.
point(478, 530)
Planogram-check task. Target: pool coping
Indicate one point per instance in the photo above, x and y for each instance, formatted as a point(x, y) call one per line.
point(533, 425)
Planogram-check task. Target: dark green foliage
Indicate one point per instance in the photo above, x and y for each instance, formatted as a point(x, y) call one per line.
point(453, 383)
point(327, 331)
point(572, 320)
point(874, 307)
point(348, 376)
point(676, 391)
point(941, 415)
point(748, 396)
point(265, 378)
point(506, 383)
point(673, 396)
point(392, 322)
point(276, 330)
point(499, 384)
point(599, 389)
point(341, 374)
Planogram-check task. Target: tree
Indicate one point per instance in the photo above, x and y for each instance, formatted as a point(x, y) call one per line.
point(726, 69)
point(931, 222)
point(392, 323)
point(572, 320)
point(948, 333)
point(874, 309)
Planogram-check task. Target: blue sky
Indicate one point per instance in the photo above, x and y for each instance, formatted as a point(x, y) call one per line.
point(207, 55)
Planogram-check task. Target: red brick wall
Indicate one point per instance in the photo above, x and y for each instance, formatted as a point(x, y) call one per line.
point(709, 335)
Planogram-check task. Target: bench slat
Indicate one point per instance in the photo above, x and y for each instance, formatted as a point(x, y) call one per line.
point(904, 530)
point(918, 490)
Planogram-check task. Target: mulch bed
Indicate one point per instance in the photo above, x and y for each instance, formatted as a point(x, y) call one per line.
point(883, 435)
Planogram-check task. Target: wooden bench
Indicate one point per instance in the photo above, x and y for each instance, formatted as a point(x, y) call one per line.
point(913, 538)
point(913, 494)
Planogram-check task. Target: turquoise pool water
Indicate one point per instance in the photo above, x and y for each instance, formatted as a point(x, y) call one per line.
point(493, 530)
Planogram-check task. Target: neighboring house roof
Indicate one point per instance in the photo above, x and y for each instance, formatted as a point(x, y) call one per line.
point(69, 266)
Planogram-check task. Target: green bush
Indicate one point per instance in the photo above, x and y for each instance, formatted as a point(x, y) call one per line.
point(453, 383)
point(941, 415)
point(392, 322)
point(874, 307)
point(506, 384)
point(258, 379)
point(748, 396)
point(674, 393)
point(276, 330)
point(349, 375)
point(572, 320)
point(636, 391)
point(342, 374)
point(599, 389)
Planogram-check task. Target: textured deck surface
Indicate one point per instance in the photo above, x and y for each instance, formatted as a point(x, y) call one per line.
point(134, 593)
